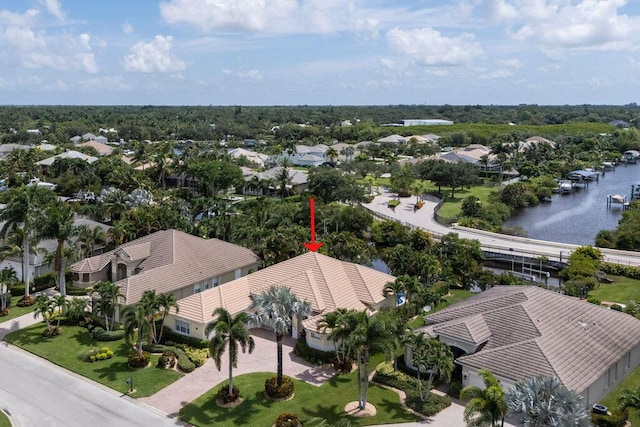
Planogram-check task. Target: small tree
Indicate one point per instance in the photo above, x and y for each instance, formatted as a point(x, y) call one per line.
point(44, 306)
point(135, 319)
point(7, 279)
point(433, 357)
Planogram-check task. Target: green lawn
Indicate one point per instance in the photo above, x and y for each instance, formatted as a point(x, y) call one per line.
point(66, 349)
point(309, 401)
point(455, 295)
point(622, 290)
point(15, 311)
point(4, 420)
point(630, 383)
point(452, 207)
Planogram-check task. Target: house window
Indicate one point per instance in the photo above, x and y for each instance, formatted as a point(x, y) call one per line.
point(316, 336)
point(75, 277)
point(238, 273)
point(627, 361)
point(197, 288)
point(214, 282)
point(85, 277)
point(183, 327)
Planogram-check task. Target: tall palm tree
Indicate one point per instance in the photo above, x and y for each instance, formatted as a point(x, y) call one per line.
point(58, 225)
point(13, 246)
point(274, 308)
point(24, 210)
point(167, 302)
point(283, 179)
point(89, 237)
point(162, 155)
point(486, 405)
point(230, 331)
point(367, 335)
point(330, 324)
point(135, 319)
point(545, 401)
point(108, 300)
point(431, 356)
point(394, 288)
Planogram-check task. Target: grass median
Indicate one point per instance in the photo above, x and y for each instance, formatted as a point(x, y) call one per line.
point(67, 349)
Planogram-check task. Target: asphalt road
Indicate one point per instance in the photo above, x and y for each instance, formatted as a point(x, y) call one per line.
point(37, 392)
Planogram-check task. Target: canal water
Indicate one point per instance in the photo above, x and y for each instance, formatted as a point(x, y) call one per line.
point(578, 217)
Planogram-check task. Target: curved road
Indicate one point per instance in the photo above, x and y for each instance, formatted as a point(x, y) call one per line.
point(494, 242)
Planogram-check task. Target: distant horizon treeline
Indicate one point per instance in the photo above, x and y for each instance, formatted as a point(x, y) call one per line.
point(214, 123)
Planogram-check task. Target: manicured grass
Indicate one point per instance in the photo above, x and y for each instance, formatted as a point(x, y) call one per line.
point(630, 383)
point(327, 401)
point(4, 420)
point(15, 311)
point(67, 349)
point(455, 295)
point(452, 207)
point(622, 290)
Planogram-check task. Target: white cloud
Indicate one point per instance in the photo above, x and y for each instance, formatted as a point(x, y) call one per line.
point(152, 57)
point(228, 15)
point(496, 74)
point(127, 28)
point(251, 75)
point(510, 63)
point(427, 46)
point(54, 8)
point(586, 24)
point(9, 19)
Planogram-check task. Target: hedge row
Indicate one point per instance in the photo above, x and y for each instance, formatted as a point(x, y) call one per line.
point(312, 355)
point(621, 270)
point(184, 363)
point(100, 334)
point(171, 336)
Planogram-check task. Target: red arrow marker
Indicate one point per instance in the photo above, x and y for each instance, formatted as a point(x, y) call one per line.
point(313, 246)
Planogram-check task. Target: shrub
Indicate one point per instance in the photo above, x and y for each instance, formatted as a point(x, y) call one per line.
point(197, 355)
point(223, 395)
point(393, 203)
point(26, 301)
point(134, 361)
point(594, 300)
point(169, 335)
point(287, 419)
point(312, 355)
point(95, 354)
point(4, 312)
point(167, 360)
point(51, 331)
point(454, 389)
point(17, 290)
point(184, 364)
point(431, 406)
point(99, 334)
point(157, 348)
point(283, 391)
point(343, 366)
point(616, 419)
point(78, 292)
point(616, 307)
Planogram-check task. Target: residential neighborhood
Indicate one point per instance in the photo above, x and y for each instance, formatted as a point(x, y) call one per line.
point(175, 272)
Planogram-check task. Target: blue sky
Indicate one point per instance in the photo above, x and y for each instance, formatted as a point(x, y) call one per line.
point(293, 52)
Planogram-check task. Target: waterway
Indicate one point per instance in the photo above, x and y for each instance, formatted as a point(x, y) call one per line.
point(578, 217)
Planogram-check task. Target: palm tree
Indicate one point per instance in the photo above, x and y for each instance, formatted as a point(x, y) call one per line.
point(163, 155)
point(283, 179)
point(230, 331)
point(486, 405)
point(274, 308)
point(44, 306)
point(58, 225)
point(60, 305)
point(432, 356)
point(13, 246)
point(167, 302)
point(109, 297)
point(630, 399)
point(89, 237)
point(24, 210)
point(135, 319)
point(395, 288)
point(7, 278)
point(151, 300)
point(330, 324)
point(331, 154)
point(367, 334)
point(545, 401)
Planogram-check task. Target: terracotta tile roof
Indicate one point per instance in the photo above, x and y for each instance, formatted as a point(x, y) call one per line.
point(175, 260)
point(535, 331)
point(325, 282)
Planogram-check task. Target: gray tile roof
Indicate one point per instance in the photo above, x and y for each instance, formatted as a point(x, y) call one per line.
point(535, 331)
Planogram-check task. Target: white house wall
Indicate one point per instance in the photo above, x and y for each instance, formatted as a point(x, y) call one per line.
point(602, 387)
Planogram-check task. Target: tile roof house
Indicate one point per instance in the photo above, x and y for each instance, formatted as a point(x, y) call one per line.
point(327, 283)
point(169, 261)
point(102, 148)
point(305, 155)
point(521, 331)
point(71, 154)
